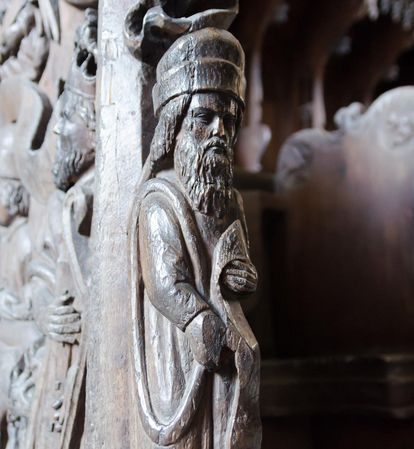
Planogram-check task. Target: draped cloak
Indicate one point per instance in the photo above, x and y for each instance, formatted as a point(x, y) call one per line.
point(60, 267)
point(181, 404)
point(16, 335)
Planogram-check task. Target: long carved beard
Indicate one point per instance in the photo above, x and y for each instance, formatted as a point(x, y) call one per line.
point(206, 176)
point(70, 163)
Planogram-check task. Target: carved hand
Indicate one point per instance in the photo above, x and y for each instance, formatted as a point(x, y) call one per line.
point(21, 388)
point(61, 321)
point(12, 308)
point(206, 337)
point(240, 277)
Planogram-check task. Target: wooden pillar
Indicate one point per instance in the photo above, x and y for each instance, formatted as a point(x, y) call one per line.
point(120, 111)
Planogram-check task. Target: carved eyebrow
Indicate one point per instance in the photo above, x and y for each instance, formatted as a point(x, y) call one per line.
point(200, 110)
point(206, 111)
point(230, 115)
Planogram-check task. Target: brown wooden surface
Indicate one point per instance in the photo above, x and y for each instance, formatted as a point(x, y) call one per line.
point(349, 274)
point(119, 151)
point(330, 232)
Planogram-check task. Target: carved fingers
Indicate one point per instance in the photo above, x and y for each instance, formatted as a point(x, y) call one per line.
point(64, 322)
point(12, 308)
point(72, 328)
point(22, 384)
point(206, 334)
point(67, 319)
point(64, 310)
point(240, 277)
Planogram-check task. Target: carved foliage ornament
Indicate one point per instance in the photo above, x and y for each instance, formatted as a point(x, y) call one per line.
point(151, 26)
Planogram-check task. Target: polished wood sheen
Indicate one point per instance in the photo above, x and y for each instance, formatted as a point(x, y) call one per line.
point(206, 224)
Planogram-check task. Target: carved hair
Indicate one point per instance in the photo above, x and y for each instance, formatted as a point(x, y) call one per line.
point(166, 131)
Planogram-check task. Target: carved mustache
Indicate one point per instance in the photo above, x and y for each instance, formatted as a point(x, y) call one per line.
point(217, 145)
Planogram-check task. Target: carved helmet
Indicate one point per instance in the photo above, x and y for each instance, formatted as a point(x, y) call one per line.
point(208, 60)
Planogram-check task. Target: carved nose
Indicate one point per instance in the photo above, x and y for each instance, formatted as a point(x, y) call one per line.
point(218, 127)
point(58, 127)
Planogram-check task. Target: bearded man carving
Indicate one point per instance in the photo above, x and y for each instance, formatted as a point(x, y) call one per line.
point(196, 359)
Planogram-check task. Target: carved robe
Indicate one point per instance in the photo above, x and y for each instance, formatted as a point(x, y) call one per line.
point(19, 336)
point(59, 268)
point(182, 405)
point(16, 334)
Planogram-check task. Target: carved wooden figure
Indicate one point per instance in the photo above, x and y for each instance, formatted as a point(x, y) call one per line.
point(136, 271)
point(19, 336)
point(16, 333)
point(196, 360)
point(44, 288)
point(60, 271)
point(24, 45)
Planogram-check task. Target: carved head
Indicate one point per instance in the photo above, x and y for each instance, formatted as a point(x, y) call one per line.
point(75, 128)
point(75, 144)
point(199, 99)
point(203, 154)
point(14, 198)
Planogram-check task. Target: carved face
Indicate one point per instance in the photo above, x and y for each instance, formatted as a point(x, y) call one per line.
point(203, 155)
point(75, 145)
point(14, 200)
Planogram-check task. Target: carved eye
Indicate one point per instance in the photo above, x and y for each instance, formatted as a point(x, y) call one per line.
point(204, 117)
point(229, 121)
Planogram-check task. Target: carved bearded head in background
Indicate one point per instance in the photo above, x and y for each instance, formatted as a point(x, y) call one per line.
point(14, 198)
point(200, 115)
point(75, 144)
point(14, 201)
point(75, 128)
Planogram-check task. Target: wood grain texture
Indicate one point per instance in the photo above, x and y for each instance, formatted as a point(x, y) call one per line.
point(118, 166)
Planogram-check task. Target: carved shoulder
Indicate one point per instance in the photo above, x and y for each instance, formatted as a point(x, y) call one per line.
point(156, 214)
point(160, 236)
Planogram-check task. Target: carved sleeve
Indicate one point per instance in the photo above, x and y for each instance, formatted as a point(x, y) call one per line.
point(166, 268)
point(241, 215)
point(43, 268)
